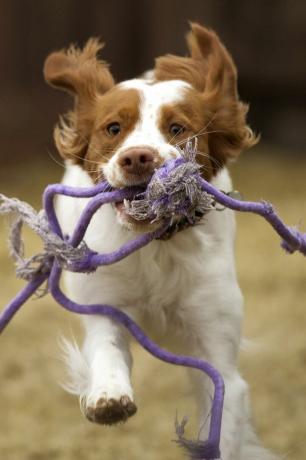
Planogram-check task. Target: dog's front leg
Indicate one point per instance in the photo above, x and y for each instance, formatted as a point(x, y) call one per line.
point(109, 395)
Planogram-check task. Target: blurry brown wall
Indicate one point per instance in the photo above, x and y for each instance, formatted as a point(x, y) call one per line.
point(267, 39)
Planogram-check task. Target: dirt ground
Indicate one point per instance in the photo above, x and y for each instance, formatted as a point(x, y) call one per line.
point(41, 422)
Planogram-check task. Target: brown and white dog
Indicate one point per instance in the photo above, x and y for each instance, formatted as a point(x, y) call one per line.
point(185, 286)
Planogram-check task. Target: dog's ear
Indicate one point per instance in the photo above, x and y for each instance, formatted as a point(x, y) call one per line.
point(210, 69)
point(85, 76)
point(229, 131)
point(221, 75)
point(79, 71)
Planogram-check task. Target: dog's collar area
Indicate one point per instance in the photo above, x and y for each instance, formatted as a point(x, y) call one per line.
point(180, 225)
point(183, 223)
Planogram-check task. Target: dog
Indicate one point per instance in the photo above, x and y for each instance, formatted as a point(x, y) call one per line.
point(185, 288)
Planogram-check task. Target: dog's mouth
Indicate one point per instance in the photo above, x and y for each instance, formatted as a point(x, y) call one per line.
point(126, 220)
point(121, 209)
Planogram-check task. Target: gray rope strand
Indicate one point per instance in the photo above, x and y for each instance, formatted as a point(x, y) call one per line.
point(173, 194)
point(53, 245)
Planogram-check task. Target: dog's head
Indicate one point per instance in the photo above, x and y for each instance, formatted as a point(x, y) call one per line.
point(122, 132)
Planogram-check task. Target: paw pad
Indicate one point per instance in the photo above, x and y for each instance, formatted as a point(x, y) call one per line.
point(111, 411)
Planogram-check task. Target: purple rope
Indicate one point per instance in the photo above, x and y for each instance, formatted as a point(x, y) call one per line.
point(210, 448)
point(292, 240)
point(12, 308)
point(80, 192)
point(59, 189)
point(207, 450)
point(95, 260)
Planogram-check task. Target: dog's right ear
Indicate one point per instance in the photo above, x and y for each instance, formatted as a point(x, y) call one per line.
point(81, 73)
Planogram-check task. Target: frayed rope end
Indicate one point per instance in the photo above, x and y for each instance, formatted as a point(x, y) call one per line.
point(196, 450)
point(299, 243)
point(174, 191)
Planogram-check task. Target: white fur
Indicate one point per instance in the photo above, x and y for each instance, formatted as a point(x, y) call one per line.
point(185, 288)
point(146, 132)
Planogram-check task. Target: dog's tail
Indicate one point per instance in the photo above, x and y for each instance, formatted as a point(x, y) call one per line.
point(76, 365)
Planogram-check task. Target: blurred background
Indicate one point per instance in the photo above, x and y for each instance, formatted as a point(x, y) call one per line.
point(268, 42)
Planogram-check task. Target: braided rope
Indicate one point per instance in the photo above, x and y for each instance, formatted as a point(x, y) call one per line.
point(54, 247)
point(176, 189)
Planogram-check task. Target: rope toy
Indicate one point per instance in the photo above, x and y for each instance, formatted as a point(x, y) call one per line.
point(176, 191)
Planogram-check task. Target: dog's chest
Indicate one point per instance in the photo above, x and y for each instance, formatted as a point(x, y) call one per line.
point(158, 278)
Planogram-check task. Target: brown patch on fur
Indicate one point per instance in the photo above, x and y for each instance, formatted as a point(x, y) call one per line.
point(95, 145)
point(210, 111)
point(212, 73)
point(192, 114)
point(117, 105)
point(172, 67)
point(79, 71)
point(81, 135)
point(86, 77)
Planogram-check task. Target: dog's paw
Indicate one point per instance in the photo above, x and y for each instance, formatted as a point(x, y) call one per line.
point(110, 411)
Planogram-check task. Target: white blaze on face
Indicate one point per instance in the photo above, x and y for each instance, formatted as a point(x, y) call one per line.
point(153, 96)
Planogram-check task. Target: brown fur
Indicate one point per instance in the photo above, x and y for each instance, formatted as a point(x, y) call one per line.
point(194, 116)
point(79, 71)
point(211, 110)
point(211, 71)
point(120, 105)
point(93, 146)
point(86, 77)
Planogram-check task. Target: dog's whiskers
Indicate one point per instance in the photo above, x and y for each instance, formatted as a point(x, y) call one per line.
point(62, 165)
point(197, 134)
point(209, 157)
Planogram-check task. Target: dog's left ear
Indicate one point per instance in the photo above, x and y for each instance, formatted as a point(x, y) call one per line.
point(210, 70)
point(221, 75)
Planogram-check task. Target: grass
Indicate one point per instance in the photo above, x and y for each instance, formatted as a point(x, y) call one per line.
point(41, 422)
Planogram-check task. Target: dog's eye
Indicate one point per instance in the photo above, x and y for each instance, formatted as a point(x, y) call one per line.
point(176, 129)
point(113, 129)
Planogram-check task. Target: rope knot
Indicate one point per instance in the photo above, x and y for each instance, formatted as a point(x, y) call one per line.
point(54, 247)
point(173, 192)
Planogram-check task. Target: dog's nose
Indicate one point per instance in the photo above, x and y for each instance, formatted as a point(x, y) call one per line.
point(137, 161)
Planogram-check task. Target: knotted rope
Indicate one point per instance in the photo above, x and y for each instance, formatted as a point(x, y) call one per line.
point(54, 247)
point(173, 192)
point(176, 190)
